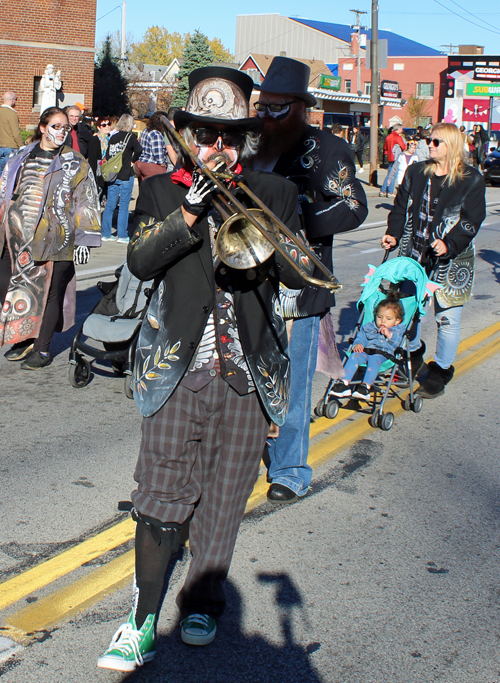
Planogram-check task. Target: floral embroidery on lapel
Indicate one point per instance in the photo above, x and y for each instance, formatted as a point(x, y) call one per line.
point(277, 387)
point(148, 371)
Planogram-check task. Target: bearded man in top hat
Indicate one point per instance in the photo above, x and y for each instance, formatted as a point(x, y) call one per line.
point(331, 201)
point(211, 368)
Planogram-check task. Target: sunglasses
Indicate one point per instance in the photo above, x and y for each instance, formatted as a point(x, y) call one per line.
point(104, 125)
point(435, 141)
point(274, 108)
point(207, 137)
point(60, 126)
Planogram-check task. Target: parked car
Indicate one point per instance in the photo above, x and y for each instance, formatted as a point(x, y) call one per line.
point(492, 167)
point(494, 140)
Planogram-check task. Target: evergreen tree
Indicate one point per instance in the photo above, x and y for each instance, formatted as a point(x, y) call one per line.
point(110, 85)
point(196, 53)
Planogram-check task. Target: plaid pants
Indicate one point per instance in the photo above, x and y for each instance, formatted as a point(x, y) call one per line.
point(200, 456)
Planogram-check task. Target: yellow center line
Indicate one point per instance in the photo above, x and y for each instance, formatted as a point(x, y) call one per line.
point(100, 582)
point(33, 579)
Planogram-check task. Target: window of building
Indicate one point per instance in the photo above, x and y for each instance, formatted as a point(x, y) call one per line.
point(347, 86)
point(348, 66)
point(37, 91)
point(398, 67)
point(255, 75)
point(424, 121)
point(459, 88)
point(368, 87)
point(425, 89)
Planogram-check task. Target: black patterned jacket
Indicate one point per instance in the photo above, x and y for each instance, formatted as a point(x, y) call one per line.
point(331, 200)
point(459, 212)
point(180, 259)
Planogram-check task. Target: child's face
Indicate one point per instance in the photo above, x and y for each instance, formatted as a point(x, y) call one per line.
point(387, 317)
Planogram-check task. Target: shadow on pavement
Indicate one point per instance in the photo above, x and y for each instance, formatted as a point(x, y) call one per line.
point(236, 657)
point(493, 258)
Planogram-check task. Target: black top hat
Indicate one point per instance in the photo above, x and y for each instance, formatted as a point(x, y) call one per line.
point(218, 95)
point(287, 76)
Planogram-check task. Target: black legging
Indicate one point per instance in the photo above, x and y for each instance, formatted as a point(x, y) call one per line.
point(62, 274)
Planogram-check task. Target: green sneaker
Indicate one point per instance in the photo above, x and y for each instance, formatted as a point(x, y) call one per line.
point(130, 647)
point(198, 629)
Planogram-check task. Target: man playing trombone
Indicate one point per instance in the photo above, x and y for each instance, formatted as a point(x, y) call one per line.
point(331, 201)
point(211, 369)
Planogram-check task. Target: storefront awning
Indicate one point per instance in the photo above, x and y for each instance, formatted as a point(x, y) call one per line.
point(353, 98)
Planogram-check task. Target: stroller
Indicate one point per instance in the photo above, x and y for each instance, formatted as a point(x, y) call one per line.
point(395, 271)
point(115, 322)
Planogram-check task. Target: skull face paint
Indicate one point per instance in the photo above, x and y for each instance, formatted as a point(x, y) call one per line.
point(56, 136)
point(51, 137)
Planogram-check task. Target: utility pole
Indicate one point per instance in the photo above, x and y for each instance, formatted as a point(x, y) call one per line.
point(124, 9)
point(358, 28)
point(374, 96)
point(449, 49)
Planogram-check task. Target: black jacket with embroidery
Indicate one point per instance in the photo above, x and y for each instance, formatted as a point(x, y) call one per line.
point(331, 200)
point(180, 259)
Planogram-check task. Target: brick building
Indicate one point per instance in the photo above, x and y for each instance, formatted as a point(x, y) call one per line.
point(33, 35)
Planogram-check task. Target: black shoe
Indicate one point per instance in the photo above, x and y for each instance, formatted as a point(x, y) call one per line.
point(20, 350)
point(35, 361)
point(340, 390)
point(281, 494)
point(436, 380)
point(362, 392)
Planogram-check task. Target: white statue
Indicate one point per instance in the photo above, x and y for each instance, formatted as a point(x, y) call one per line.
point(50, 83)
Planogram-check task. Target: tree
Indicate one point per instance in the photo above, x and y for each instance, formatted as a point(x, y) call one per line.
point(221, 54)
point(159, 46)
point(116, 44)
point(415, 110)
point(197, 53)
point(110, 86)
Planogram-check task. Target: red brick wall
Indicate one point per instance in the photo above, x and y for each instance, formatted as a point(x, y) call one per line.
point(61, 22)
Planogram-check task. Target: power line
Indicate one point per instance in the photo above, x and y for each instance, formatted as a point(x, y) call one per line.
point(467, 20)
point(105, 15)
point(472, 15)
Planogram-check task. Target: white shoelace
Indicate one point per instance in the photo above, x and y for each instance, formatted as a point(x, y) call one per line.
point(127, 639)
point(202, 619)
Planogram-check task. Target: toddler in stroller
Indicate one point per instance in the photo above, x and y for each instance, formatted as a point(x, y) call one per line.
point(372, 344)
point(115, 323)
point(389, 339)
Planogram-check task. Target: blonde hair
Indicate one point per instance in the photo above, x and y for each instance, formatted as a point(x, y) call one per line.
point(453, 139)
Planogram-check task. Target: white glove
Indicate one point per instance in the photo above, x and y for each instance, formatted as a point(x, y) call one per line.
point(81, 255)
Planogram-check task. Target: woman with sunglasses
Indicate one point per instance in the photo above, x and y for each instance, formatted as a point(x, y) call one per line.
point(97, 150)
point(49, 217)
point(437, 212)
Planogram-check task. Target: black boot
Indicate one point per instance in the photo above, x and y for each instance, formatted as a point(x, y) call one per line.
point(417, 359)
point(436, 380)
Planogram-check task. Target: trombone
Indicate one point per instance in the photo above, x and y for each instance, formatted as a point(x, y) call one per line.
point(248, 237)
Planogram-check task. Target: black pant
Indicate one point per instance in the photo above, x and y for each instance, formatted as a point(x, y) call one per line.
point(359, 157)
point(62, 274)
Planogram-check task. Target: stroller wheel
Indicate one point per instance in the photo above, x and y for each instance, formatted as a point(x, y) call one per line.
point(79, 374)
point(417, 404)
point(386, 421)
point(319, 410)
point(406, 403)
point(332, 409)
point(374, 419)
point(128, 386)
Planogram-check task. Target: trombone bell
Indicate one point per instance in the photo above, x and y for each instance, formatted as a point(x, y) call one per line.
point(241, 245)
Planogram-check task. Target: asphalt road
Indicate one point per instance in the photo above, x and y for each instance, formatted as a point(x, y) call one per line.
point(387, 572)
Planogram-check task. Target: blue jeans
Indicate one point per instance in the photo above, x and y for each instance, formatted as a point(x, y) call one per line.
point(118, 191)
point(448, 334)
point(5, 153)
point(288, 453)
point(373, 362)
point(385, 185)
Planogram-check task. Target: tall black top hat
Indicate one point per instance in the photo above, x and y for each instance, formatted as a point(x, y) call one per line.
point(218, 95)
point(287, 76)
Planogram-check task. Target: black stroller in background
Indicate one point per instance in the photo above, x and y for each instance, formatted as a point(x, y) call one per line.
point(114, 322)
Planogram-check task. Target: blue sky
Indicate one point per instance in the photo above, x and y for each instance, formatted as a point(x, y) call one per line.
point(429, 21)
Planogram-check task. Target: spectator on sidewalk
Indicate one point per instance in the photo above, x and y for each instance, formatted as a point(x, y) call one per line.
point(81, 133)
point(357, 142)
point(10, 136)
point(394, 138)
point(154, 158)
point(120, 190)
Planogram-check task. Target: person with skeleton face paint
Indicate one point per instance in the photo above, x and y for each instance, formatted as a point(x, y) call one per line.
point(331, 201)
point(211, 366)
point(49, 218)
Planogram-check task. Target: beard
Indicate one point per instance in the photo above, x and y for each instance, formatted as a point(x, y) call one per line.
point(277, 137)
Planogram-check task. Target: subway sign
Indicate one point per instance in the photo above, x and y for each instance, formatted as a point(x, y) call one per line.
point(330, 82)
point(483, 89)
